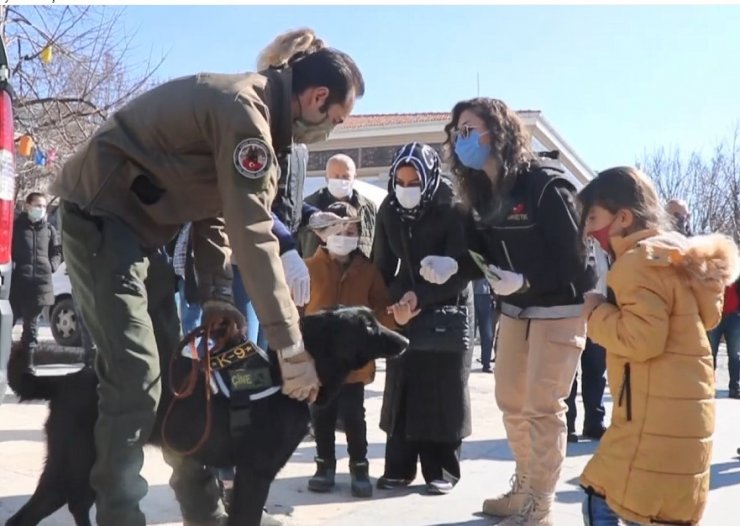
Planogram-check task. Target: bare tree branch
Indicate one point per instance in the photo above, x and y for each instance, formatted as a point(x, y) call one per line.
point(60, 104)
point(710, 186)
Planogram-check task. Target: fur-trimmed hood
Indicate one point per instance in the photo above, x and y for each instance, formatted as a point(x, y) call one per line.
point(709, 262)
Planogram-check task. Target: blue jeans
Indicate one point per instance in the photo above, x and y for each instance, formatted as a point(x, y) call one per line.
point(486, 326)
point(245, 306)
point(254, 334)
point(729, 327)
point(190, 313)
point(593, 382)
point(597, 513)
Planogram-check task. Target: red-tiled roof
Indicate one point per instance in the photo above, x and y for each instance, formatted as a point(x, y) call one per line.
point(372, 120)
point(393, 119)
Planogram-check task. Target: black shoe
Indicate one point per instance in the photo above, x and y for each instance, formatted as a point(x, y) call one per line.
point(572, 437)
point(487, 370)
point(439, 487)
point(734, 394)
point(594, 433)
point(389, 483)
point(361, 486)
point(323, 480)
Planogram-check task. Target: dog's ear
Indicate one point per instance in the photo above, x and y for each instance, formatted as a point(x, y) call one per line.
point(315, 329)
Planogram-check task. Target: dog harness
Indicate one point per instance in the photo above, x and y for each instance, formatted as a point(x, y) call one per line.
point(243, 373)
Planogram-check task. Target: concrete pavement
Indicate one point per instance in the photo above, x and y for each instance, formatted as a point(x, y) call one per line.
point(486, 468)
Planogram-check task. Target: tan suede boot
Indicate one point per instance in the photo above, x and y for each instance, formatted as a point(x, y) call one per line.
point(536, 512)
point(510, 503)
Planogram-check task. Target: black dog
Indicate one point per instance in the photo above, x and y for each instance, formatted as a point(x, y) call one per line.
point(339, 340)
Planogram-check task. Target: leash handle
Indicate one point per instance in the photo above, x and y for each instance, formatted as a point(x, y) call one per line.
point(190, 383)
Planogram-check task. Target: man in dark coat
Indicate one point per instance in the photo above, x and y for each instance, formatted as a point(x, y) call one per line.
point(37, 253)
point(340, 177)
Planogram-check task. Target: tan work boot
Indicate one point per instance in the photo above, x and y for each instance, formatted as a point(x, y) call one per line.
point(536, 512)
point(510, 503)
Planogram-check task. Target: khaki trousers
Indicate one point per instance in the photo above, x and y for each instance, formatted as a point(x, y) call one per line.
point(536, 362)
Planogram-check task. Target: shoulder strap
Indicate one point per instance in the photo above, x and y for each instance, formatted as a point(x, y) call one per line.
point(539, 179)
point(407, 256)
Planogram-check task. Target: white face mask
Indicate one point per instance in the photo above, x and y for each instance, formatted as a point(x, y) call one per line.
point(408, 197)
point(36, 214)
point(341, 245)
point(340, 188)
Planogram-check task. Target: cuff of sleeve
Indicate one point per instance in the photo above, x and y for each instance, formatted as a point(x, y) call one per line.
point(283, 337)
point(595, 319)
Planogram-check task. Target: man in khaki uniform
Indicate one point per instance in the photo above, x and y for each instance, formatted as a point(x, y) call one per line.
point(198, 149)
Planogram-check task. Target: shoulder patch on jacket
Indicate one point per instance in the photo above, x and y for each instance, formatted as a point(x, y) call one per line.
point(252, 158)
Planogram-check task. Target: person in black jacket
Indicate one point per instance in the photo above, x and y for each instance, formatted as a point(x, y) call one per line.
point(523, 221)
point(36, 253)
point(426, 404)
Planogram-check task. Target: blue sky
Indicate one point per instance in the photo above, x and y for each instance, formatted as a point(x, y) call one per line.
point(614, 81)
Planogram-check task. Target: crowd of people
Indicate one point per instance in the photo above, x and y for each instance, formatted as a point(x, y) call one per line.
point(600, 278)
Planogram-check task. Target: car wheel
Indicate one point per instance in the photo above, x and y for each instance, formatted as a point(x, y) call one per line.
point(64, 324)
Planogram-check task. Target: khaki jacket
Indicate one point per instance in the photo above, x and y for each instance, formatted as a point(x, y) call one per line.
point(357, 284)
point(199, 149)
point(653, 462)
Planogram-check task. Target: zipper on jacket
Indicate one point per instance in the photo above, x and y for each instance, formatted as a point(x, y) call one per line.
point(34, 256)
point(506, 253)
point(625, 395)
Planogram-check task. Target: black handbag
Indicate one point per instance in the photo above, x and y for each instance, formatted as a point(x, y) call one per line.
point(443, 329)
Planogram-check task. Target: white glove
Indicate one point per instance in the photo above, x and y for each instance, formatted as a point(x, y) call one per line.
point(507, 283)
point(438, 269)
point(300, 380)
point(297, 277)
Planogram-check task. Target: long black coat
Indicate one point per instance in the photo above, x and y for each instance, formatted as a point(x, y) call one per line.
point(430, 390)
point(37, 253)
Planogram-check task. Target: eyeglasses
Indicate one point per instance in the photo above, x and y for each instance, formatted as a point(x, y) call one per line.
point(465, 131)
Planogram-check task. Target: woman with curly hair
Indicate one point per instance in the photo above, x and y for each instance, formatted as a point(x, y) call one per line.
point(523, 223)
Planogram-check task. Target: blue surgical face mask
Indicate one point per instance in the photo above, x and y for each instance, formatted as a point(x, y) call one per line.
point(470, 152)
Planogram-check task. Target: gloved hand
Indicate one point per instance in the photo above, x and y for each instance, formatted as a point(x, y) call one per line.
point(438, 269)
point(297, 277)
point(298, 370)
point(217, 313)
point(508, 282)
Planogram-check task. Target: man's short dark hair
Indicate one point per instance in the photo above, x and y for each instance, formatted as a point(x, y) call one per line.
point(30, 198)
point(331, 68)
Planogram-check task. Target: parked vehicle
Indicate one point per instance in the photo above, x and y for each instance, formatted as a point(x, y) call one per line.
point(7, 205)
point(61, 316)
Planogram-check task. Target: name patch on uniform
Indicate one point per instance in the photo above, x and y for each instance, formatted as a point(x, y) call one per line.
point(252, 158)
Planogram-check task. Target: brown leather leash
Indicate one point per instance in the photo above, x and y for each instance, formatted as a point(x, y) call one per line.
point(191, 381)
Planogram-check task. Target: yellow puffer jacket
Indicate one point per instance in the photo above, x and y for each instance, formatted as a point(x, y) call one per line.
point(653, 462)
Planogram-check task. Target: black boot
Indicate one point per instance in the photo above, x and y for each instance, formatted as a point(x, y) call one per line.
point(323, 480)
point(361, 486)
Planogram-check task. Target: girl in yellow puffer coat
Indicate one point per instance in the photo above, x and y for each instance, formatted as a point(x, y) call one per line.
point(665, 292)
